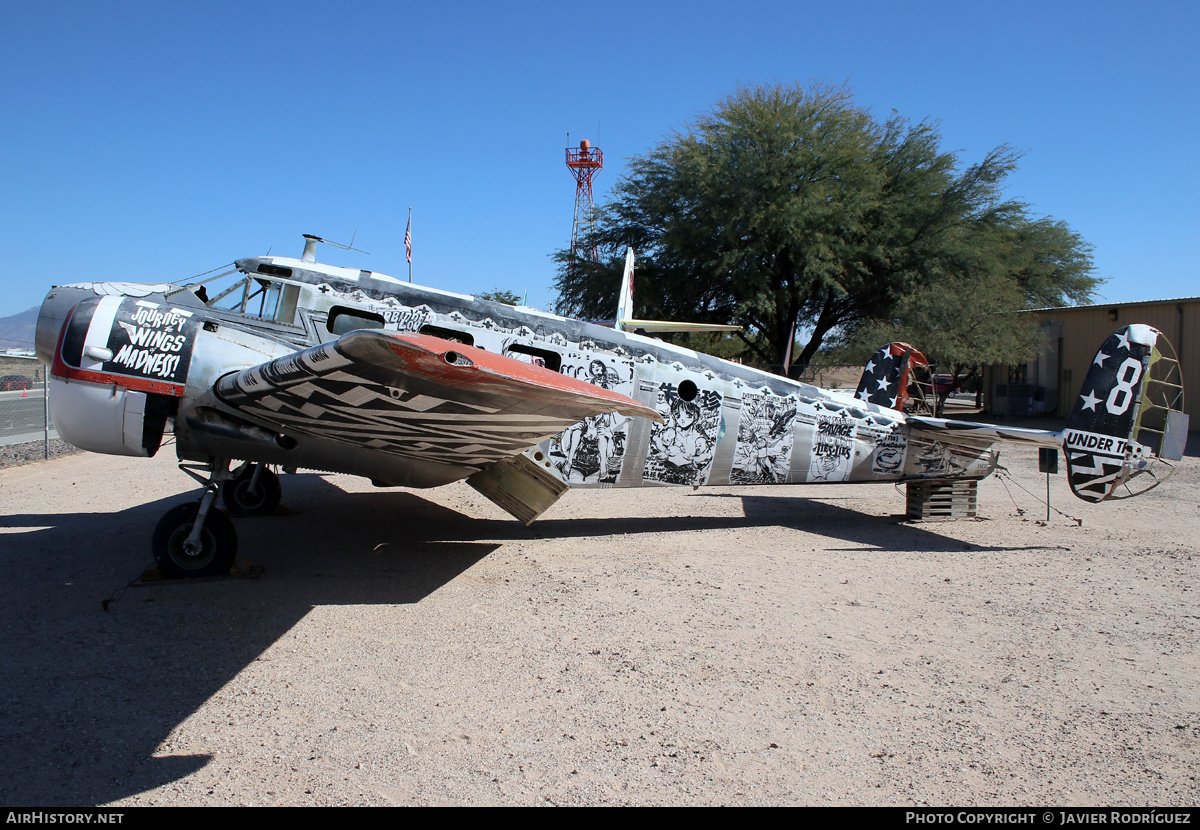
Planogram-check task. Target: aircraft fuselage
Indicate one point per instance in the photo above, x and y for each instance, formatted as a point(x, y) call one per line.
point(137, 357)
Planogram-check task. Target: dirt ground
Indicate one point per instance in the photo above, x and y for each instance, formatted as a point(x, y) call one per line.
point(770, 645)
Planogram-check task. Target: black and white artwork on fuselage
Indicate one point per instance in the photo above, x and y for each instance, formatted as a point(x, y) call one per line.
point(763, 453)
point(682, 447)
point(890, 451)
point(934, 459)
point(832, 453)
point(593, 450)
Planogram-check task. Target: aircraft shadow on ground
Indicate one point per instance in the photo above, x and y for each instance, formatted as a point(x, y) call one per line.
point(90, 695)
point(855, 529)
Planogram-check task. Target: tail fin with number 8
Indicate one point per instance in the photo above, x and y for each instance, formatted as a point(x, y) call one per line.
point(1128, 421)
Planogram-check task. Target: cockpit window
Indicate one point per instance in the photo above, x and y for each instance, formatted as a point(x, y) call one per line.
point(230, 297)
point(274, 270)
point(257, 297)
point(262, 300)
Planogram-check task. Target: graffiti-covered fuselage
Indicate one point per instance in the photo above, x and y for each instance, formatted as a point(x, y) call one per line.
point(137, 359)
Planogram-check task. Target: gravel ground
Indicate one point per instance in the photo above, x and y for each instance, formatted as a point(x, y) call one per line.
point(753, 646)
point(13, 455)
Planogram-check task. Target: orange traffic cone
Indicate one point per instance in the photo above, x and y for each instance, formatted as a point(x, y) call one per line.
point(24, 393)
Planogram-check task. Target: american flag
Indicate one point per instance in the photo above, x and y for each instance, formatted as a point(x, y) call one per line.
point(408, 240)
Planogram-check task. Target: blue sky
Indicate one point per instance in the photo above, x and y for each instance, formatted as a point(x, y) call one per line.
point(155, 141)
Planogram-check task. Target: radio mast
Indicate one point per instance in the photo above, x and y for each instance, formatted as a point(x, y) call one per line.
point(584, 163)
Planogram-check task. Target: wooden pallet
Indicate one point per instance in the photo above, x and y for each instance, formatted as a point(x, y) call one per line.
point(942, 500)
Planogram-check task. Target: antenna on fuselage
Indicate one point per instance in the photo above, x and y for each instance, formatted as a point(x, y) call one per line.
point(310, 246)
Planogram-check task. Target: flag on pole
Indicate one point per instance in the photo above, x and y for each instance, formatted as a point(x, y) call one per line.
point(408, 239)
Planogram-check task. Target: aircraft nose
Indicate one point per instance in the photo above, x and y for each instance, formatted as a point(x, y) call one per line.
point(55, 310)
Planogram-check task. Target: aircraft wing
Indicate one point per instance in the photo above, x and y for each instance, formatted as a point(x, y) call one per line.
point(418, 396)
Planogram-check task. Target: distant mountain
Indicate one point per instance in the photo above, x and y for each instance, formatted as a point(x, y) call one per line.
point(16, 332)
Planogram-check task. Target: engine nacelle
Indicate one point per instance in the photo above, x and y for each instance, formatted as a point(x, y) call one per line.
point(138, 343)
point(108, 419)
point(117, 370)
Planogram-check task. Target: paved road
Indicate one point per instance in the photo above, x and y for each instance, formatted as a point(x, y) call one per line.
point(21, 414)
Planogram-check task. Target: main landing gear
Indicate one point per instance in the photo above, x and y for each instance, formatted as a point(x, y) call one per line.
point(196, 540)
point(193, 541)
point(252, 490)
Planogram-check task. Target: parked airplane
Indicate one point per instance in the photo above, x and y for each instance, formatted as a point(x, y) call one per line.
point(291, 363)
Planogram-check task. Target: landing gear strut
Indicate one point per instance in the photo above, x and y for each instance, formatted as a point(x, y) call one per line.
point(194, 539)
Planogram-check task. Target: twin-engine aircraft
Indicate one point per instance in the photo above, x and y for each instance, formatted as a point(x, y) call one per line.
point(290, 363)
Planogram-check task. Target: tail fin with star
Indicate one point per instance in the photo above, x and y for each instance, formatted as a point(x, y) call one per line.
point(888, 375)
point(1128, 419)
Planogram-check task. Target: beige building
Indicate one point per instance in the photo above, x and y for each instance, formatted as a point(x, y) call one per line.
point(1048, 385)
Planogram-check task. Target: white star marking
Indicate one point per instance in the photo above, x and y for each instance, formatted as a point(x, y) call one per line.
point(1089, 401)
point(870, 366)
point(883, 385)
point(1123, 339)
point(1100, 358)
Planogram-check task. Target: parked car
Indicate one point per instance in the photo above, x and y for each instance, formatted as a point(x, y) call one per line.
point(944, 384)
point(12, 383)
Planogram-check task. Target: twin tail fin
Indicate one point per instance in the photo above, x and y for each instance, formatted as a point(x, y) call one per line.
point(1128, 419)
point(888, 375)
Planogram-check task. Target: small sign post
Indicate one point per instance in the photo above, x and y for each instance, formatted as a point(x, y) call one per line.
point(1048, 464)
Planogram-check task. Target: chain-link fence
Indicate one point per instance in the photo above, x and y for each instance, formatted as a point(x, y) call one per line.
point(26, 433)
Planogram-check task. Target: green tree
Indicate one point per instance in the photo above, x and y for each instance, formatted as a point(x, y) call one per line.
point(965, 317)
point(500, 296)
point(793, 211)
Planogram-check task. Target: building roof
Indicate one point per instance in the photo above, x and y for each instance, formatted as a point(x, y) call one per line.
point(1115, 305)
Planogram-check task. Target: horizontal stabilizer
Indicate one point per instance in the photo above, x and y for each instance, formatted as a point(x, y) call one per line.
point(984, 433)
point(626, 322)
point(663, 325)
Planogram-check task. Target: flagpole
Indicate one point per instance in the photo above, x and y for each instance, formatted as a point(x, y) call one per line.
point(408, 244)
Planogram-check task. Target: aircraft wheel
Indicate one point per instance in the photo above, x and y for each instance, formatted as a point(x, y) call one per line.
point(239, 499)
point(218, 543)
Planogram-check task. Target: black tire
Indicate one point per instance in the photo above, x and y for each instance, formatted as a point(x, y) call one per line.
point(218, 543)
point(241, 502)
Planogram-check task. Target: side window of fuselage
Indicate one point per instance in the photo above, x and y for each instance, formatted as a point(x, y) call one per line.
point(538, 357)
point(342, 320)
point(452, 335)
